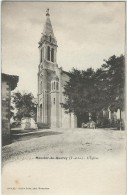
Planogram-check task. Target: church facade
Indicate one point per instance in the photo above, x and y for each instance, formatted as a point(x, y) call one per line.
point(51, 81)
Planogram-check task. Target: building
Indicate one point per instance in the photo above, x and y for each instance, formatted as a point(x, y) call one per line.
point(9, 82)
point(51, 81)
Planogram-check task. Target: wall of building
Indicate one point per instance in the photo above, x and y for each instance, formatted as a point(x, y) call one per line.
point(5, 113)
point(68, 120)
point(52, 113)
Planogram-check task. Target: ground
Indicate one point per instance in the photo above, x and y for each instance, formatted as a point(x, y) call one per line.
point(104, 148)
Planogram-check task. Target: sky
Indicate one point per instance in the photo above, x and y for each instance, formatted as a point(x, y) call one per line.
point(86, 33)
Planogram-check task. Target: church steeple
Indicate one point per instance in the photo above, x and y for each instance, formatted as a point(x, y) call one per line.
point(47, 12)
point(48, 26)
point(48, 44)
point(48, 34)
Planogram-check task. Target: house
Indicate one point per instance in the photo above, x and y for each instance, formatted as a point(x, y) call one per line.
point(9, 83)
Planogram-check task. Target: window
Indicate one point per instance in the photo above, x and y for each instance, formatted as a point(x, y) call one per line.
point(54, 100)
point(54, 85)
point(48, 53)
point(57, 86)
point(52, 55)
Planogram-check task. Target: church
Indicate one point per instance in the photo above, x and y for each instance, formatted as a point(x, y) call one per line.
point(51, 81)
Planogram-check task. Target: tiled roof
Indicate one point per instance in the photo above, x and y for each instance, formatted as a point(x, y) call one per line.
point(11, 79)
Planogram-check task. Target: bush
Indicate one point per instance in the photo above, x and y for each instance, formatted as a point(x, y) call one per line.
point(104, 123)
point(42, 126)
point(15, 124)
point(120, 123)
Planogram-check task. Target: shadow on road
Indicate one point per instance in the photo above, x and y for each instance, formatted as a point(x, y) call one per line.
point(23, 137)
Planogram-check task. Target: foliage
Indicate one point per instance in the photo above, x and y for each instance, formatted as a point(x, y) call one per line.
point(15, 124)
point(115, 81)
point(91, 91)
point(79, 91)
point(24, 105)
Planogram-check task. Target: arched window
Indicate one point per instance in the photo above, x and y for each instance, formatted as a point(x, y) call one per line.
point(57, 86)
point(48, 53)
point(54, 84)
point(52, 55)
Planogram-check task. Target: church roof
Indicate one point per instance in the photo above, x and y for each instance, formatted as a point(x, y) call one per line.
point(65, 72)
point(48, 30)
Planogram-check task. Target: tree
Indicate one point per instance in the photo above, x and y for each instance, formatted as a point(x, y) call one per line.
point(80, 93)
point(115, 69)
point(91, 91)
point(24, 104)
point(115, 80)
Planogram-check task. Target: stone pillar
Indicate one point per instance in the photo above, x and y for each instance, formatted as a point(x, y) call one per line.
point(109, 116)
point(44, 82)
point(45, 52)
point(73, 121)
point(50, 53)
point(55, 52)
point(118, 114)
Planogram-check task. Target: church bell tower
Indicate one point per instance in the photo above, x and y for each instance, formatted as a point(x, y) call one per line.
point(47, 66)
point(48, 45)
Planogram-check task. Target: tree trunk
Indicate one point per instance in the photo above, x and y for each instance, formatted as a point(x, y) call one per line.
point(120, 121)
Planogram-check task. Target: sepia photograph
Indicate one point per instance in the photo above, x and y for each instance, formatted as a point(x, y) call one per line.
point(63, 116)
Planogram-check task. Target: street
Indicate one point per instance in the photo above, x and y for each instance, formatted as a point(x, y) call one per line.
point(66, 142)
point(66, 162)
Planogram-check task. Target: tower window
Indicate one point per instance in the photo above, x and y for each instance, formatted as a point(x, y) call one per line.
point(54, 85)
point(57, 86)
point(54, 100)
point(52, 55)
point(48, 53)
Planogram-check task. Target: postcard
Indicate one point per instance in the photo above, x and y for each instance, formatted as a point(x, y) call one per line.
point(63, 97)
